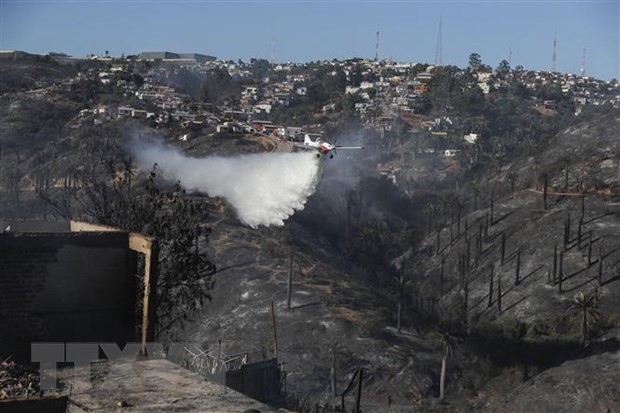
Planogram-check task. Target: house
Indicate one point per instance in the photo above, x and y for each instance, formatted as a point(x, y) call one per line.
point(262, 108)
point(259, 125)
point(125, 111)
point(471, 138)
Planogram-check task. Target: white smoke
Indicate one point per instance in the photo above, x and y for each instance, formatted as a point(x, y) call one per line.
point(264, 189)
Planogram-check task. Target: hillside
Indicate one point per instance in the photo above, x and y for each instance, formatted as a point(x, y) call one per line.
point(467, 245)
point(532, 325)
point(532, 339)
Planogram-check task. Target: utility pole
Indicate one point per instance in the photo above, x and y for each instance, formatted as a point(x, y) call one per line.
point(275, 332)
point(289, 284)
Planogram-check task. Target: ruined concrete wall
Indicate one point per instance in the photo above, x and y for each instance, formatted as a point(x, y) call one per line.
point(65, 287)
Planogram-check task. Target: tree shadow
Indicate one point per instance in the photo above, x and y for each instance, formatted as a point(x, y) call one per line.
point(505, 351)
point(500, 219)
point(531, 273)
point(579, 286)
point(609, 281)
point(576, 273)
point(597, 217)
point(513, 305)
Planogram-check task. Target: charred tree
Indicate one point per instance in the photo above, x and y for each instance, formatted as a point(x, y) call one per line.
point(552, 278)
point(567, 232)
point(518, 269)
point(600, 267)
point(490, 302)
point(545, 191)
point(589, 248)
point(441, 276)
point(560, 272)
point(499, 294)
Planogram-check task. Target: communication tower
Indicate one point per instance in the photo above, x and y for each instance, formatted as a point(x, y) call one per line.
point(583, 63)
point(439, 47)
point(555, 43)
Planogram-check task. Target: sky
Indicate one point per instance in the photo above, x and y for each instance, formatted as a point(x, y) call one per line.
point(308, 30)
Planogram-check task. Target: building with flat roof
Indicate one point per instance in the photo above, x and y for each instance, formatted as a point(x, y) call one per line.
point(171, 56)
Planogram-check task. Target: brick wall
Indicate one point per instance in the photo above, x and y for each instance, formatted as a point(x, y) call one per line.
point(65, 287)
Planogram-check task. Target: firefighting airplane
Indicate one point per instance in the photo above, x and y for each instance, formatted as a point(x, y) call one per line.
point(324, 148)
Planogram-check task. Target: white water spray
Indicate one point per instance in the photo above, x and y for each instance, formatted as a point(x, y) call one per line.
point(264, 189)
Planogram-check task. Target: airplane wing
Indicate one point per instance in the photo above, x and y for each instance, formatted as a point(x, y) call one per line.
point(349, 147)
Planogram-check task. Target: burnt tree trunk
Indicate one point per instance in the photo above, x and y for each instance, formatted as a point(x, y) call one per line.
point(561, 272)
point(545, 191)
point(490, 303)
point(518, 269)
point(555, 264)
point(499, 294)
point(600, 267)
point(589, 248)
point(567, 232)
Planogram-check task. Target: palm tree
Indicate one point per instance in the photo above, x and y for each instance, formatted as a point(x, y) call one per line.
point(445, 343)
point(401, 283)
point(587, 307)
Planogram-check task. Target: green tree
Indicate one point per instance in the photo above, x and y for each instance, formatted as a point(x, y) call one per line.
point(260, 68)
point(110, 196)
point(356, 76)
point(503, 69)
point(475, 61)
point(586, 307)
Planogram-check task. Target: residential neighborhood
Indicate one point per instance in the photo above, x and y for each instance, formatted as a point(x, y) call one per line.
point(150, 86)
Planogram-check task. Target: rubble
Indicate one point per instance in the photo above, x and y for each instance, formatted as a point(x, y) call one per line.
point(17, 380)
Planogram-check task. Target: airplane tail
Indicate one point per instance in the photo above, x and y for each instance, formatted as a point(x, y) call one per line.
point(307, 139)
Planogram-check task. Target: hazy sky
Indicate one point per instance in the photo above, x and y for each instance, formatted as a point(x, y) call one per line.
point(302, 31)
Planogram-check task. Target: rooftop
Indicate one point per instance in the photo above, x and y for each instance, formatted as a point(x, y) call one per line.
point(149, 386)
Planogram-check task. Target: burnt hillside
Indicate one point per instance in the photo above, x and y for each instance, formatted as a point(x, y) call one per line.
point(547, 228)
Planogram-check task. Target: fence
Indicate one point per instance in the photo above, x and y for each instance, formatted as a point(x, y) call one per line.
point(260, 380)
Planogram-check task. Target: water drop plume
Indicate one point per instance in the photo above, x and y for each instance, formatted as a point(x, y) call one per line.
point(264, 188)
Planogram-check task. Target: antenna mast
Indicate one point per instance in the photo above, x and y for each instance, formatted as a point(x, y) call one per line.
point(554, 53)
point(583, 63)
point(439, 47)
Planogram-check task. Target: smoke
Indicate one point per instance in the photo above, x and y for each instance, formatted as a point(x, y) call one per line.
point(264, 189)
